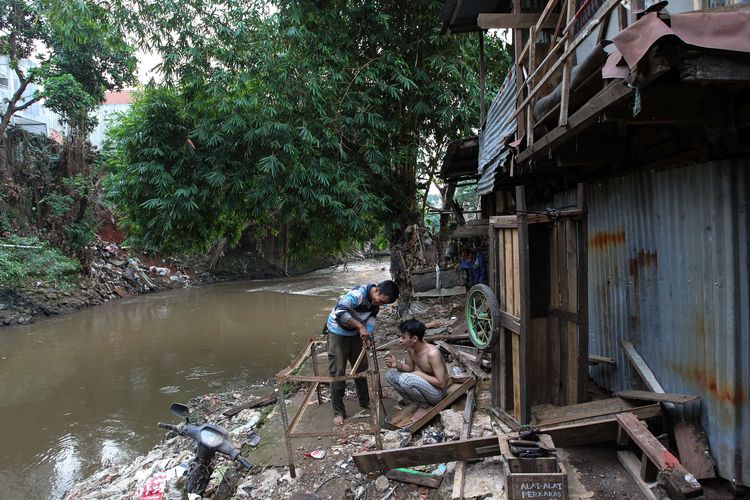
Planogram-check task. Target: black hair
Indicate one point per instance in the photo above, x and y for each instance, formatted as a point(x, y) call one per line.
point(413, 327)
point(389, 288)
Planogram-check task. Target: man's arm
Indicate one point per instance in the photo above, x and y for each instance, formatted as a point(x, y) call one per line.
point(343, 314)
point(407, 365)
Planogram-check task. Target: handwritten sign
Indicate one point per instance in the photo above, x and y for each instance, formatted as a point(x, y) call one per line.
point(548, 487)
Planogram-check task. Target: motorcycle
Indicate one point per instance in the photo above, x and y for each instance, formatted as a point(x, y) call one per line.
point(210, 439)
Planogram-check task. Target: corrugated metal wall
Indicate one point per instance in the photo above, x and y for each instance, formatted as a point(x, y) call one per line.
point(668, 270)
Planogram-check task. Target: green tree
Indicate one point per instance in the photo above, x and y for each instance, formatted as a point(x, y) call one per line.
point(80, 52)
point(319, 117)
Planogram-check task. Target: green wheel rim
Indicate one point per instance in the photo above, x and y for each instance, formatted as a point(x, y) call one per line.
point(481, 306)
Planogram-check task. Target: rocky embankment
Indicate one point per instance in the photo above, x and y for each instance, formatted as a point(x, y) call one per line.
point(113, 273)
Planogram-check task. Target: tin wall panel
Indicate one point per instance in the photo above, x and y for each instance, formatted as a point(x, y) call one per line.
point(668, 271)
point(492, 150)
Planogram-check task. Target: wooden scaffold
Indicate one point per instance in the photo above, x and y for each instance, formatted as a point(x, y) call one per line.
point(292, 374)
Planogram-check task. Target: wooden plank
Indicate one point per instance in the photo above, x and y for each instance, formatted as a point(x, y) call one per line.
point(592, 431)
point(509, 284)
point(510, 322)
point(641, 367)
point(632, 466)
point(583, 411)
point(595, 359)
point(567, 68)
point(555, 381)
point(511, 21)
point(529, 83)
point(414, 477)
point(694, 452)
point(516, 350)
point(578, 121)
point(539, 386)
point(524, 304)
point(471, 365)
point(381, 460)
point(582, 301)
point(459, 474)
point(516, 275)
point(572, 339)
point(254, 403)
point(666, 397)
point(679, 478)
point(402, 419)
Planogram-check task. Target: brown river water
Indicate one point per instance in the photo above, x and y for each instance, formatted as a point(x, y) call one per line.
point(85, 391)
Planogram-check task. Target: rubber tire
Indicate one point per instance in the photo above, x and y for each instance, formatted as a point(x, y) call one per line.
point(198, 477)
point(494, 309)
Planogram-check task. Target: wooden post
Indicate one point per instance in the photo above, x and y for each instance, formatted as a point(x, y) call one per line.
point(481, 79)
point(530, 85)
point(525, 309)
point(567, 67)
point(518, 48)
point(314, 356)
point(583, 297)
point(458, 476)
point(285, 426)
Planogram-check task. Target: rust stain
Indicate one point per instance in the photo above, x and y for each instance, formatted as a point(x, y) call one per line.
point(607, 238)
point(727, 395)
point(642, 259)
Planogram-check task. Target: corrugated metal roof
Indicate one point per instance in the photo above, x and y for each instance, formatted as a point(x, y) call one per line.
point(460, 160)
point(492, 149)
point(669, 270)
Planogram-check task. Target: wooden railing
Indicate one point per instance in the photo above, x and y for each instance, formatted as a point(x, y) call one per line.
point(533, 76)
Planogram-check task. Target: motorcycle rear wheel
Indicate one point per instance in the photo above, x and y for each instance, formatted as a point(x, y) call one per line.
point(198, 476)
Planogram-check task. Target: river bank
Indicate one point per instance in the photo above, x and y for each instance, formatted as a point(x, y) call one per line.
point(117, 272)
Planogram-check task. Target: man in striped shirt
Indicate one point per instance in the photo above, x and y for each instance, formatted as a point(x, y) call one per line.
point(350, 326)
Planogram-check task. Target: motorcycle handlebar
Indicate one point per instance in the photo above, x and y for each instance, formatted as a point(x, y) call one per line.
point(170, 427)
point(244, 461)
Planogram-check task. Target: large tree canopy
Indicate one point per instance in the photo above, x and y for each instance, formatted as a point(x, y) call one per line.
point(318, 117)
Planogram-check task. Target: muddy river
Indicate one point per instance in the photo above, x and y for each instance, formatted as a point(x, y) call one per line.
point(85, 390)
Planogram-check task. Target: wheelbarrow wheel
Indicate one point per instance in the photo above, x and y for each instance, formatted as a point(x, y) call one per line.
point(482, 317)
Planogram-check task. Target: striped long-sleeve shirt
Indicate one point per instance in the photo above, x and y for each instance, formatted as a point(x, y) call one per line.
point(355, 304)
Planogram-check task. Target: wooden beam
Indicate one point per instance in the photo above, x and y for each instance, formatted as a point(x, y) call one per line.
point(459, 474)
point(415, 477)
point(664, 397)
point(601, 360)
point(525, 306)
point(610, 95)
point(709, 68)
point(513, 21)
point(641, 367)
point(631, 465)
point(600, 430)
point(678, 477)
point(254, 403)
point(693, 449)
point(589, 410)
point(474, 367)
point(451, 451)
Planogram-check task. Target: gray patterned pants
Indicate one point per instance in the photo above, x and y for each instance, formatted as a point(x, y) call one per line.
point(414, 388)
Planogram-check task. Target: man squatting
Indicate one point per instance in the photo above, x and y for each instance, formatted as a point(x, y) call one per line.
point(350, 325)
point(422, 377)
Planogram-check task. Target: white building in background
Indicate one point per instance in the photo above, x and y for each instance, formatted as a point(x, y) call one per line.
point(114, 103)
point(36, 118)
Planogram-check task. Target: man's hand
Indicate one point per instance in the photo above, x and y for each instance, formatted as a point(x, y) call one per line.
point(390, 360)
point(363, 333)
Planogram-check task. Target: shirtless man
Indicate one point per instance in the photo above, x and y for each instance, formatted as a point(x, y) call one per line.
point(422, 377)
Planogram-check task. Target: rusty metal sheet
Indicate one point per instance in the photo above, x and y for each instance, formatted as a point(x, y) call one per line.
point(669, 269)
point(713, 30)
